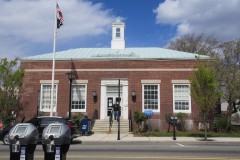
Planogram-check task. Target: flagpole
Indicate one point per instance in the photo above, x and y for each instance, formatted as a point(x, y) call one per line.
point(53, 61)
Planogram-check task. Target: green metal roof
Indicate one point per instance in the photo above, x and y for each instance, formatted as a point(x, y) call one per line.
point(111, 54)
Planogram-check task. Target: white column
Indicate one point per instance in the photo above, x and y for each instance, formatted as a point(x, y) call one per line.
point(103, 104)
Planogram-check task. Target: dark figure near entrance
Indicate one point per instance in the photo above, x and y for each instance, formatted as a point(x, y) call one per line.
point(116, 111)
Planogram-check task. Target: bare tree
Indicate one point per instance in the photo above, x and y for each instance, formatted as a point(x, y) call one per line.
point(225, 60)
point(227, 67)
point(192, 43)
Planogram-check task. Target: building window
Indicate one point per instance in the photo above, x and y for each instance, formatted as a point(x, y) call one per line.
point(45, 102)
point(118, 33)
point(79, 98)
point(181, 98)
point(151, 98)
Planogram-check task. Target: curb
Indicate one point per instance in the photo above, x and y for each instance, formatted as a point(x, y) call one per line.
point(129, 138)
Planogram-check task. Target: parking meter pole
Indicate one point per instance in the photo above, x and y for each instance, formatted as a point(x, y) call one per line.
point(118, 138)
point(174, 131)
point(21, 153)
point(118, 118)
point(174, 119)
point(57, 154)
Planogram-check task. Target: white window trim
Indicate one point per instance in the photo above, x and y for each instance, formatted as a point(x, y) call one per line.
point(48, 81)
point(74, 82)
point(155, 111)
point(81, 110)
point(40, 107)
point(183, 81)
point(147, 81)
point(189, 99)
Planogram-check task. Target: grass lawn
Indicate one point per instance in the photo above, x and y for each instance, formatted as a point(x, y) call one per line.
point(192, 134)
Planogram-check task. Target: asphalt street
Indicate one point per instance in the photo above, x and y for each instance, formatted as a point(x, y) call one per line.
point(144, 150)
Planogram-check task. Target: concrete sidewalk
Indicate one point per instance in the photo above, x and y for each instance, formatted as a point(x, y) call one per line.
point(108, 138)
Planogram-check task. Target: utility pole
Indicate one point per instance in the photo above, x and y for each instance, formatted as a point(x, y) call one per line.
point(118, 118)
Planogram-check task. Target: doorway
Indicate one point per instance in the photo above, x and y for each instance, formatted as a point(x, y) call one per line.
point(112, 96)
point(109, 94)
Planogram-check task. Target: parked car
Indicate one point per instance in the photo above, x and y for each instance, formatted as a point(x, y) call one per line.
point(4, 134)
point(41, 123)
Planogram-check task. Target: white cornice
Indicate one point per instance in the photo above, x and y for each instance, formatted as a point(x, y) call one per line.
point(115, 70)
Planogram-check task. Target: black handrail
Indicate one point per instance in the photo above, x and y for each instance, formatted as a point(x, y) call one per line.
point(130, 121)
point(94, 117)
point(110, 121)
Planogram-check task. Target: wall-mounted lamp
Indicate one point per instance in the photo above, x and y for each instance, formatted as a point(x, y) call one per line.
point(94, 94)
point(134, 96)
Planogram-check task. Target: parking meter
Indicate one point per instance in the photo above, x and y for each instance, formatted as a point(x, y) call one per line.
point(174, 121)
point(56, 140)
point(23, 140)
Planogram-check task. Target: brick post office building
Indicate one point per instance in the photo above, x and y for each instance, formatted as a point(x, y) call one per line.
point(154, 79)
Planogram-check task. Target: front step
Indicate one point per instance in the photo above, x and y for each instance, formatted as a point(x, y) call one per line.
point(102, 126)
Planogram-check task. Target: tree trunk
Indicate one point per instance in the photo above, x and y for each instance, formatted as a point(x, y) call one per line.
point(229, 113)
point(169, 127)
point(205, 127)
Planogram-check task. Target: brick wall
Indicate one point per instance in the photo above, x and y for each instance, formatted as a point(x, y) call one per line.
point(164, 70)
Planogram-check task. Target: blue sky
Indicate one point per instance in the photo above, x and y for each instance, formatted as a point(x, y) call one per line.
point(26, 26)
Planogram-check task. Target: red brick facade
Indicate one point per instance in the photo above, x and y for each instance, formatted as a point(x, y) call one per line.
point(94, 71)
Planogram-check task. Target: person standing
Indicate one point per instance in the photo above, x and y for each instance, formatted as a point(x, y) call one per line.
point(116, 111)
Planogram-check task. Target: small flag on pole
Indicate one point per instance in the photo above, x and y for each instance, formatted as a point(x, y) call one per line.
point(59, 17)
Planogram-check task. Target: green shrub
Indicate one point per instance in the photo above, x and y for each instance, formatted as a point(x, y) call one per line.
point(139, 117)
point(77, 118)
point(181, 121)
point(9, 119)
point(220, 123)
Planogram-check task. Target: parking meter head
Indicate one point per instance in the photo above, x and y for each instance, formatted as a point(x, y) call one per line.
point(173, 119)
point(25, 133)
point(57, 132)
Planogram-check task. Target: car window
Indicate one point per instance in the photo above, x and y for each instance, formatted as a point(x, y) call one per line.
point(49, 120)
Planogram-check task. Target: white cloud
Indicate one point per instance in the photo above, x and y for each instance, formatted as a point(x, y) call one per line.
point(219, 18)
point(26, 22)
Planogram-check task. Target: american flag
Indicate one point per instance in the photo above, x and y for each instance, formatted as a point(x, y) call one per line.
point(59, 17)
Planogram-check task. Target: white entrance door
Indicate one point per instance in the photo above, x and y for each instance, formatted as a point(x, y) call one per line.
point(109, 93)
point(112, 99)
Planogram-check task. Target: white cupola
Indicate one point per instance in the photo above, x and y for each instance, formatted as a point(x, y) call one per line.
point(118, 41)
